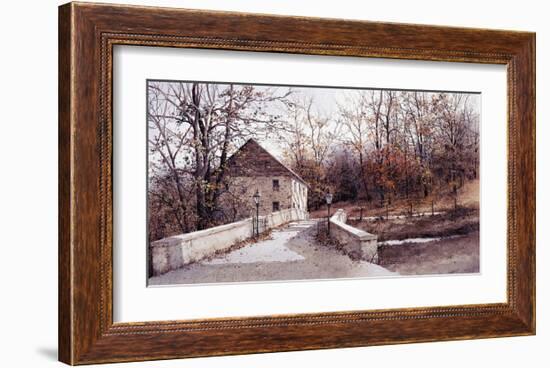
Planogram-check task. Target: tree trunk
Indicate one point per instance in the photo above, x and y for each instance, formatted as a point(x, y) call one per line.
point(364, 177)
point(203, 211)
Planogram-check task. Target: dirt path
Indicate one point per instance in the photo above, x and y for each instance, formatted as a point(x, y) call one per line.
point(290, 254)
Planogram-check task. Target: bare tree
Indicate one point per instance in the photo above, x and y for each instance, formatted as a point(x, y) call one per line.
point(195, 126)
point(310, 138)
point(356, 118)
point(452, 111)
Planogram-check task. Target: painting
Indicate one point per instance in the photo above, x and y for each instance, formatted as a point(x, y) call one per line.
point(265, 183)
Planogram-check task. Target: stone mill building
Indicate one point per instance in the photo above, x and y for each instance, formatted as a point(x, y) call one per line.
point(252, 168)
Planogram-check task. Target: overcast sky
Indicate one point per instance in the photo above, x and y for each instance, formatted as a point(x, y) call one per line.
point(326, 101)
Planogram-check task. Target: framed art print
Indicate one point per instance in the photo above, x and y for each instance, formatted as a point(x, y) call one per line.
point(237, 183)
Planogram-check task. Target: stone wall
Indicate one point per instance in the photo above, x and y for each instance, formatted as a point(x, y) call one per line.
point(247, 186)
point(357, 243)
point(253, 168)
point(290, 194)
point(176, 251)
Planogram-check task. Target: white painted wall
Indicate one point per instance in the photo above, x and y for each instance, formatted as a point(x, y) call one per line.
point(28, 189)
point(299, 195)
point(355, 242)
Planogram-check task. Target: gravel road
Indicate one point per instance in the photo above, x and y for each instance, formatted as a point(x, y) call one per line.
point(290, 254)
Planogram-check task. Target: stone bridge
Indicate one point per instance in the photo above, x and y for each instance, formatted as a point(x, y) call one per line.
point(358, 244)
point(176, 251)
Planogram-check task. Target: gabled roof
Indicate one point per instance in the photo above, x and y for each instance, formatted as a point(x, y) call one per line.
point(251, 159)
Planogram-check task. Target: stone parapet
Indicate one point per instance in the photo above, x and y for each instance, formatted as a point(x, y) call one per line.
point(177, 251)
point(355, 242)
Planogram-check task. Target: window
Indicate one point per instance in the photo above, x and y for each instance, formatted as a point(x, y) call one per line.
point(275, 206)
point(276, 185)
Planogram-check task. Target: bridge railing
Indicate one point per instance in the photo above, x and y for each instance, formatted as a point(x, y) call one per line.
point(177, 251)
point(356, 243)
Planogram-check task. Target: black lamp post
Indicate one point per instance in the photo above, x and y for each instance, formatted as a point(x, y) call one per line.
point(328, 198)
point(256, 198)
